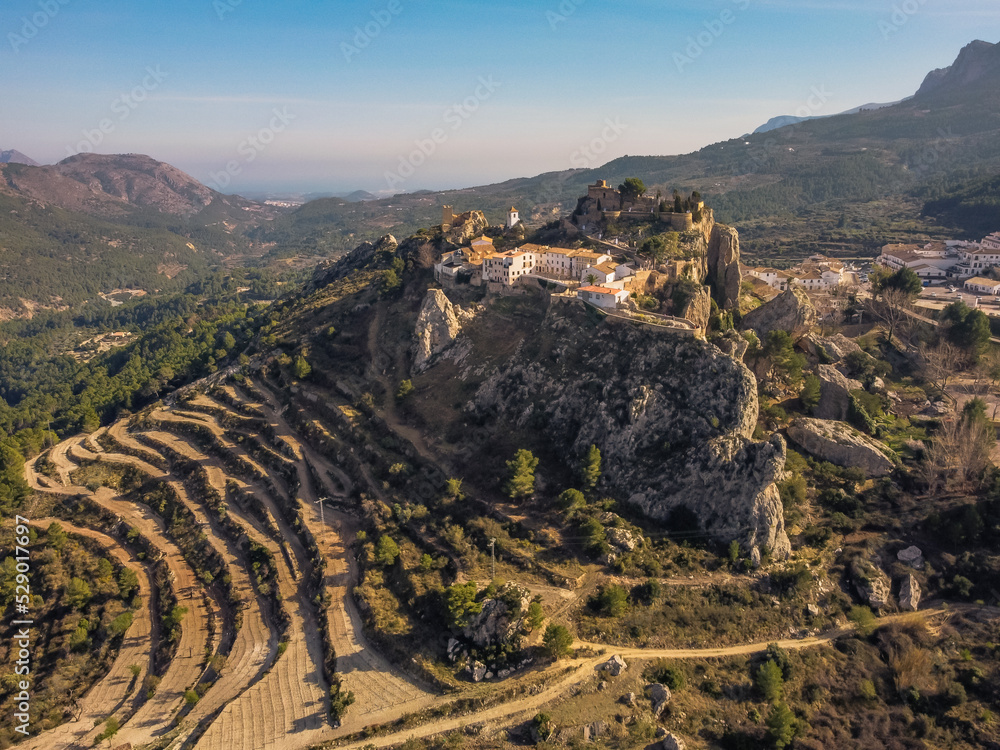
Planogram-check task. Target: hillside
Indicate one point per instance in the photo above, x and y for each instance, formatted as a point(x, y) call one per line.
point(16, 157)
point(844, 184)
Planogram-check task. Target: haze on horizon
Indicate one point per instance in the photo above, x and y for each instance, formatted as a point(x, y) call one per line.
point(393, 95)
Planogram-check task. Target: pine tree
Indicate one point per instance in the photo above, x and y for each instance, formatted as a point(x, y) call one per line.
point(592, 468)
point(522, 475)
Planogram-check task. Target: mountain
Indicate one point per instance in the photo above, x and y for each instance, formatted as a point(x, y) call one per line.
point(782, 121)
point(845, 184)
point(977, 61)
point(16, 157)
point(360, 195)
point(119, 186)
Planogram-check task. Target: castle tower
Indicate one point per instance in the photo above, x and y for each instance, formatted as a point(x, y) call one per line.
point(513, 218)
point(447, 218)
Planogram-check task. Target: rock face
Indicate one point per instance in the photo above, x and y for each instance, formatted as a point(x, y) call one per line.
point(835, 347)
point(614, 666)
point(698, 308)
point(873, 585)
point(790, 311)
point(437, 328)
point(834, 393)
point(660, 696)
point(909, 594)
point(468, 225)
point(673, 742)
point(501, 617)
point(623, 539)
point(840, 444)
point(733, 344)
point(673, 419)
point(912, 556)
point(724, 273)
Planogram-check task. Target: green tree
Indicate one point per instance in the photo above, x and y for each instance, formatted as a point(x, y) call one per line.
point(571, 499)
point(632, 188)
point(781, 725)
point(863, 619)
point(128, 582)
point(111, 727)
point(301, 368)
point(56, 536)
point(522, 467)
point(612, 600)
point(404, 390)
point(967, 329)
point(386, 551)
point(810, 393)
point(460, 600)
point(120, 624)
point(77, 593)
point(779, 349)
point(557, 641)
point(770, 682)
point(535, 616)
point(453, 489)
point(592, 468)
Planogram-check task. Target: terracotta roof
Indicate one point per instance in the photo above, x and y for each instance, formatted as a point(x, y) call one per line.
point(606, 267)
point(599, 290)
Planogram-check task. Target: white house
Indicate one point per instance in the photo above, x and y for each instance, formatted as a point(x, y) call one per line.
point(980, 285)
point(992, 242)
point(603, 297)
point(604, 273)
point(507, 268)
point(928, 262)
point(975, 260)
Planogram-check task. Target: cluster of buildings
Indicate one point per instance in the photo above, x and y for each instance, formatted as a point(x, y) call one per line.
point(970, 262)
point(597, 278)
point(815, 274)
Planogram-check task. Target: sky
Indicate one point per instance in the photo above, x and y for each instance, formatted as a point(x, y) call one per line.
point(400, 95)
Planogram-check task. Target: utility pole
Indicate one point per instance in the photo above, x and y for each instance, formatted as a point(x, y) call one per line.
point(493, 557)
point(322, 516)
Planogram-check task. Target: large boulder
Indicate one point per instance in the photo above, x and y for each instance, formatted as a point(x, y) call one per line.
point(909, 594)
point(614, 666)
point(659, 696)
point(698, 308)
point(829, 349)
point(912, 556)
point(724, 274)
point(790, 311)
point(834, 393)
point(437, 328)
point(673, 742)
point(733, 344)
point(873, 585)
point(840, 444)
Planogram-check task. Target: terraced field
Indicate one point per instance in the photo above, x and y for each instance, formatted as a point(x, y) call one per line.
point(254, 657)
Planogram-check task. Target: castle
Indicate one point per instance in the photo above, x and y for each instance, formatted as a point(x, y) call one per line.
point(603, 202)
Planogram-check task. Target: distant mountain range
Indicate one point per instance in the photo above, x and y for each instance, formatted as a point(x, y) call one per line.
point(16, 157)
point(782, 121)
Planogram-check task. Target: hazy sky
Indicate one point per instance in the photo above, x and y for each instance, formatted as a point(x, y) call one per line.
point(401, 94)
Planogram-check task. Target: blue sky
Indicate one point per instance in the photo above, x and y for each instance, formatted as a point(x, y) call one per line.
point(403, 95)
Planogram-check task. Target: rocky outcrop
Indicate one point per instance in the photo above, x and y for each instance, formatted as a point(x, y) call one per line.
point(834, 393)
point(359, 257)
point(469, 225)
point(724, 273)
point(673, 742)
point(873, 585)
point(438, 326)
point(840, 444)
point(623, 539)
point(912, 556)
point(673, 419)
point(659, 696)
point(698, 308)
point(501, 617)
point(909, 594)
point(790, 311)
point(829, 349)
point(614, 666)
point(733, 344)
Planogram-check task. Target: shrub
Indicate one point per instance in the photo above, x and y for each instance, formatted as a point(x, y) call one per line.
point(666, 674)
point(386, 551)
point(648, 592)
point(866, 690)
point(611, 600)
point(863, 619)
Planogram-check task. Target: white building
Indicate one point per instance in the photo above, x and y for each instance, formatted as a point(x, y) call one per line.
point(980, 285)
point(929, 262)
point(513, 218)
point(603, 297)
point(507, 268)
point(992, 242)
point(601, 274)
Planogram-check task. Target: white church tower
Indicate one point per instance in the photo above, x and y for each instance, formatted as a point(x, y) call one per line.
point(513, 219)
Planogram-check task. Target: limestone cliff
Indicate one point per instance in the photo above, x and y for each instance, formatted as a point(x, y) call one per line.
point(673, 418)
point(790, 311)
point(439, 324)
point(724, 273)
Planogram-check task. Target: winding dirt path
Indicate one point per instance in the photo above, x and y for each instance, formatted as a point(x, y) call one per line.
point(118, 691)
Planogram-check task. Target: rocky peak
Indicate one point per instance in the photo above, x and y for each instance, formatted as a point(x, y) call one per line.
point(16, 157)
point(437, 328)
point(977, 60)
point(724, 275)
